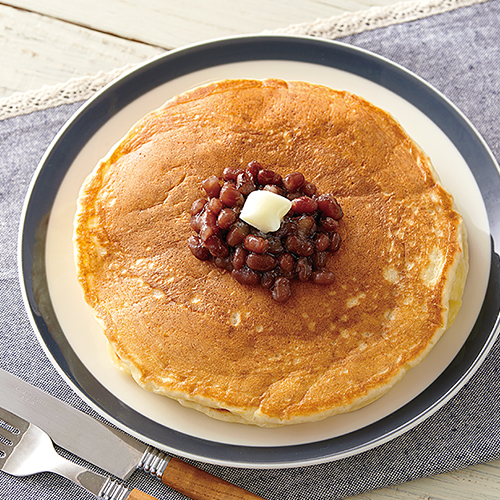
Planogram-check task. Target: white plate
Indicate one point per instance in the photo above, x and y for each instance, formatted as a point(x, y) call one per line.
point(81, 353)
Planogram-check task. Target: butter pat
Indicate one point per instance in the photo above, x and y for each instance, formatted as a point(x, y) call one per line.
point(265, 210)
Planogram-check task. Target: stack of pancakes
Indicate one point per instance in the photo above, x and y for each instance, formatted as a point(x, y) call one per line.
point(186, 329)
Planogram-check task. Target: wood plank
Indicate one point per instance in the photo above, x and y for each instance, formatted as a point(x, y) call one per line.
point(70, 39)
point(479, 482)
point(172, 24)
point(36, 51)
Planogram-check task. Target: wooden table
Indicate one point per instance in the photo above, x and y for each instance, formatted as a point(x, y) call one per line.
point(46, 42)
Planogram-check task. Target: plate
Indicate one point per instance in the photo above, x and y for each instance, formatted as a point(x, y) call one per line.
point(74, 341)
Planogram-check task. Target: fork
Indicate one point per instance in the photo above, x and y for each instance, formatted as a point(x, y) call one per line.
point(25, 450)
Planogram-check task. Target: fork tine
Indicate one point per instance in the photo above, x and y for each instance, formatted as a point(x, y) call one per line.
point(6, 446)
point(13, 420)
point(6, 434)
point(11, 432)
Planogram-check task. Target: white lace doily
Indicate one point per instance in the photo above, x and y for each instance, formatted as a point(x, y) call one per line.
point(79, 89)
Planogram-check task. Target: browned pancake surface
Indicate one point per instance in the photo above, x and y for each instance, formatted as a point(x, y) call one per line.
point(189, 330)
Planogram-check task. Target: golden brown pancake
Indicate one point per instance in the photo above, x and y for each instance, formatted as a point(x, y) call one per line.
point(186, 329)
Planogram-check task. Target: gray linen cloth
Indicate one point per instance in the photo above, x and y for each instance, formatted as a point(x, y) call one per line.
point(459, 53)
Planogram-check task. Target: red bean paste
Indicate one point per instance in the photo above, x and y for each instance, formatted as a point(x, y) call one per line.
point(298, 250)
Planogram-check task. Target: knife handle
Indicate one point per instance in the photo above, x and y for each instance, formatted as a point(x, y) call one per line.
point(139, 495)
point(200, 485)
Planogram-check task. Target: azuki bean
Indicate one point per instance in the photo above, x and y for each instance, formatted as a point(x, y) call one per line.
point(288, 227)
point(231, 173)
point(224, 263)
point(246, 276)
point(306, 225)
point(304, 205)
point(299, 246)
point(245, 184)
point(286, 262)
point(208, 218)
point(307, 248)
point(256, 244)
point(261, 262)
point(230, 196)
point(198, 206)
point(207, 232)
point(267, 279)
point(322, 242)
point(239, 257)
point(197, 248)
point(293, 181)
point(335, 243)
point(211, 186)
point(292, 195)
point(235, 236)
point(215, 206)
point(208, 225)
point(269, 177)
point(309, 189)
point(329, 206)
point(274, 189)
point(275, 246)
point(323, 277)
point(195, 222)
point(319, 259)
point(292, 243)
point(226, 218)
point(303, 269)
point(282, 289)
point(253, 169)
point(216, 246)
point(328, 224)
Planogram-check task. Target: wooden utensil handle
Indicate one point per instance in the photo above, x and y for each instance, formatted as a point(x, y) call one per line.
point(139, 495)
point(200, 485)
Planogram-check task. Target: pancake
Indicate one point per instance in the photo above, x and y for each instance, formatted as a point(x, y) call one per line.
point(188, 330)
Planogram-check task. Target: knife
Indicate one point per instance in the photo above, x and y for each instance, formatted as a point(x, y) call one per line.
point(109, 448)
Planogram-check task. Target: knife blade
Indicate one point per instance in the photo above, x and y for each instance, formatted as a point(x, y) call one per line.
point(108, 448)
